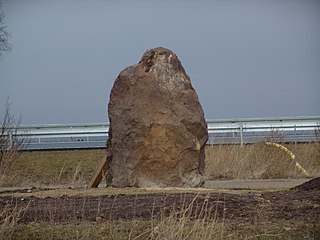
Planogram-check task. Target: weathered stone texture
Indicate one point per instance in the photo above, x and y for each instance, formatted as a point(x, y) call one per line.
point(158, 130)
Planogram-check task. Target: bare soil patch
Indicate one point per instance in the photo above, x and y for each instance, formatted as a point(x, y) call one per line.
point(312, 185)
point(289, 208)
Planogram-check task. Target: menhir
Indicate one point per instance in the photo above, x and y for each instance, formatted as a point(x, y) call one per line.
point(157, 132)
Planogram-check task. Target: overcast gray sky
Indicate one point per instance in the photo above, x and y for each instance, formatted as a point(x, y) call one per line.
point(256, 58)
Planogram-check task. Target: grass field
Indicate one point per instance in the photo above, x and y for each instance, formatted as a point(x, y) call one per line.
point(53, 167)
point(254, 161)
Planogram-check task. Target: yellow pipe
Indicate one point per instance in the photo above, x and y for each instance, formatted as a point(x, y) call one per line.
point(292, 156)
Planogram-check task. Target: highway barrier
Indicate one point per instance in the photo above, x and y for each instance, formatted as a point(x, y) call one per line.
point(225, 131)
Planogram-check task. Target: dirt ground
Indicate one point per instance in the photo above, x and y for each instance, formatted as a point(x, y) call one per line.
point(299, 206)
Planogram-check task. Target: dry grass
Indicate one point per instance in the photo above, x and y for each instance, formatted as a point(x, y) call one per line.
point(192, 220)
point(54, 167)
point(132, 230)
point(188, 220)
point(254, 161)
point(9, 218)
point(259, 160)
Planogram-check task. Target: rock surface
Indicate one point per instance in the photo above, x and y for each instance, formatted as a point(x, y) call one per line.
point(157, 127)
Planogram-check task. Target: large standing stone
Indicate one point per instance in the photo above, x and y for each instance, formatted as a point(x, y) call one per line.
point(157, 126)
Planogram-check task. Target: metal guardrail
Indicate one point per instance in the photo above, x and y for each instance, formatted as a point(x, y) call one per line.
point(225, 131)
point(242, 131)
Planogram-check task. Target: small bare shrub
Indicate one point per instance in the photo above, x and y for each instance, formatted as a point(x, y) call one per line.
point(9, 142)
point(4, 35)
point(275, 136)
point(9, 218)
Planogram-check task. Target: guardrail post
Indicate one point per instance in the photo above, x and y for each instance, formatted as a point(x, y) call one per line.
point(295, 139)
point(10, 140)
point(241, 134)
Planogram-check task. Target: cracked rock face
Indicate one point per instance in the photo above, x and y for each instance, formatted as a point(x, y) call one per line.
point(157, 129)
